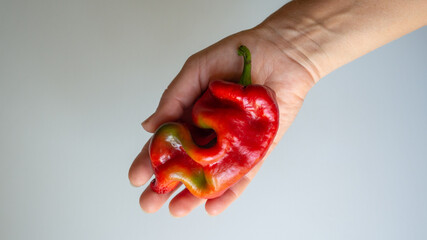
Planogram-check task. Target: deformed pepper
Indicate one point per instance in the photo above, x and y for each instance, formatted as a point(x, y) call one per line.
point(233, 126)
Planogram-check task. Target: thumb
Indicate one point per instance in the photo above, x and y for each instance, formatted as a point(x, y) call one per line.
point(220, 62)
point(178, 96)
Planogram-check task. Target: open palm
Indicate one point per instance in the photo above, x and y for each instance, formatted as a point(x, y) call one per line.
point(272, 66)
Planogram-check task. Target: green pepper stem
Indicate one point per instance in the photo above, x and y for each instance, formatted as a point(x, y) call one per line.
point(245, 79)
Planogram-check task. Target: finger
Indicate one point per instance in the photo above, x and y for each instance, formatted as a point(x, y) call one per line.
point(218, 205)
point(140, 171)
point(151, 201)
point(183, 203)
point(180, 94)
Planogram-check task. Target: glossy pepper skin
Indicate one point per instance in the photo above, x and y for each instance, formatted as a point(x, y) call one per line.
point(232, 127)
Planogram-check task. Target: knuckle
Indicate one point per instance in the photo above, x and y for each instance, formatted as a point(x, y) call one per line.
point(191, 61)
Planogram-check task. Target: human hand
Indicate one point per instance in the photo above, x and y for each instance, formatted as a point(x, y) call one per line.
point(270, 67)
point(302, 42)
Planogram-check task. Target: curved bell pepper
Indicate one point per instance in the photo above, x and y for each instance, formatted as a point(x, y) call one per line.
point(233, 126)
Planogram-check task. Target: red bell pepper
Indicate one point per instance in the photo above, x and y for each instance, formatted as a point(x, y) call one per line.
point(233, 126)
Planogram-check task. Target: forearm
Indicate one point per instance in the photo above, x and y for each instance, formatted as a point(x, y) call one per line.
point(324, 35)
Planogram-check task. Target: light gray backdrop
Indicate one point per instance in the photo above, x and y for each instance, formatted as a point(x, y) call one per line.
point(78, 77)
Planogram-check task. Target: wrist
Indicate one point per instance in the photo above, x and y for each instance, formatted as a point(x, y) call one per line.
point(324, 35)
point(300, 38)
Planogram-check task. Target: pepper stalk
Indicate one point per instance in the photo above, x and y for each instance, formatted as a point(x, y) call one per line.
point(245, 78)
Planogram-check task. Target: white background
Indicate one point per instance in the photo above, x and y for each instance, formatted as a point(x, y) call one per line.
point(78, 77)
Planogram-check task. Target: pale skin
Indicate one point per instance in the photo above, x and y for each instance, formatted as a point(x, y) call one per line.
point(291, 51)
